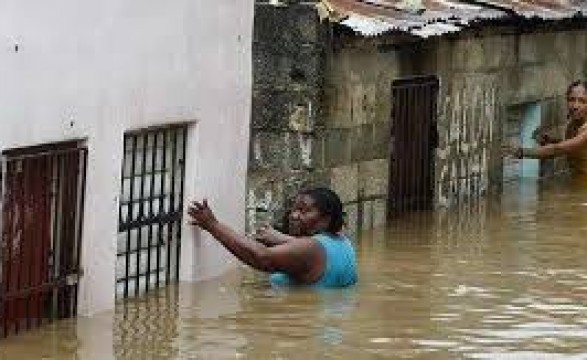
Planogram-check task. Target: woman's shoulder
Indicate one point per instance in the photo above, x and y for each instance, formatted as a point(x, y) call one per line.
point(332, 237)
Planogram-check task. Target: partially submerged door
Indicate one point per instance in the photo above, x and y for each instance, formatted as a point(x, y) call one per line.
point(42, 204)
point(414, 134)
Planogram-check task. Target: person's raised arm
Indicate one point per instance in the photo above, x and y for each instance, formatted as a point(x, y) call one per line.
point(289, 257)
point(544, 136)
point(564, 147)
point(269, 236)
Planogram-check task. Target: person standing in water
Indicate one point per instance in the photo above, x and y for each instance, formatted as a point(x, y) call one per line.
point(574, 145)
point(314, 252)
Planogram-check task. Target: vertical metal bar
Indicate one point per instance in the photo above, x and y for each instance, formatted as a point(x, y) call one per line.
point(130, 212)
point(23, 238)
point(121, 220)
point(121, 204)
point(418, 119)
point(424, 129)
point(409, 150)
point(391, 185)
point(162, 197)
point(408, 167)
point(8, 234)
point(171, 205)
point(391, 153)
point(36, 277)
point(419, 108)
point(46, 252)
point(416, 137)
point(7, 220)
point(427, 132)
point(399, 148)
point(68, 241)
point(151, 212)
point(3, 200)
point(61, 235)
point(141, 213)
point(61, 240)
point(64, 235)
point(40, 212)
point(422, 109)
point(55, 203)
point(426, 124)
point(404, 166)
point(81, 203)
point(432, 149)
point(184, 131)
point(404, 170)
point(400, 155)
point(27, 261)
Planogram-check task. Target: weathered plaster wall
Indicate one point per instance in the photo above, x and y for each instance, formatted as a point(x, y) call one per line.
point(357, 108)
point(483, 76)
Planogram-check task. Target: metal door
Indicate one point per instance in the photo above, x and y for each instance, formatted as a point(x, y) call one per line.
point(414, 134)
point(42, 206)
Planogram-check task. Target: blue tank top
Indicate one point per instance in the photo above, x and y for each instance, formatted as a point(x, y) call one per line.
point(340, 269)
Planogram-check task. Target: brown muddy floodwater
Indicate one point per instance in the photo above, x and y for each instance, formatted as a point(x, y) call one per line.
point(489, 281)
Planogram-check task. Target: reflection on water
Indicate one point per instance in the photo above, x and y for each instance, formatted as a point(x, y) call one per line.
point(482, 281)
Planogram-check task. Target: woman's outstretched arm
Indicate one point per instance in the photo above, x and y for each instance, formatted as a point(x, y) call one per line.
point(289, 257)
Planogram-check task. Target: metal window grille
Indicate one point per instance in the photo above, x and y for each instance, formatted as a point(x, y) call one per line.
point(42, 211)
point(411, 180)
point(150, 210)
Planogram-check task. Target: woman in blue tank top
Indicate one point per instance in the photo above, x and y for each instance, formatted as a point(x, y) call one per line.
point(313, 252)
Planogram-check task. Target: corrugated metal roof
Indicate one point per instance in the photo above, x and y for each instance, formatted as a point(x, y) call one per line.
point(436, 17)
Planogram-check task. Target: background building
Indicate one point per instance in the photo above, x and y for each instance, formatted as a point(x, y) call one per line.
point(404, 105)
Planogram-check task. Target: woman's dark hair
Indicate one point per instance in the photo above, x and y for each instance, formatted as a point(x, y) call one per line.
point(576, 83)
point(328, 203)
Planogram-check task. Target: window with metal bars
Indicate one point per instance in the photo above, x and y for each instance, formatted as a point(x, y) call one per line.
point(150, 209)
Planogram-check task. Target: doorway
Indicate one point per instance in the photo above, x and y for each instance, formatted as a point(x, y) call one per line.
point(42, 211)
point(414, 134)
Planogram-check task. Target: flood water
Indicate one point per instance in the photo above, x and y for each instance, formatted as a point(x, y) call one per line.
point(499, 280)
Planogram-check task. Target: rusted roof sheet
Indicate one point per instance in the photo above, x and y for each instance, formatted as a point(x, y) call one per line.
point(436, 17)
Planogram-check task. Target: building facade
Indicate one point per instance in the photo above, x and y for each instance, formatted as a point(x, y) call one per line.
point(409, 105)
point(125, 110)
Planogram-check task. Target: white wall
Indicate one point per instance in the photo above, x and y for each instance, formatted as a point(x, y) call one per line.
point(92, 70)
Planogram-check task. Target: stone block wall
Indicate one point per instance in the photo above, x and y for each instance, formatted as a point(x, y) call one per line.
point(284, 155)
point(357, 108)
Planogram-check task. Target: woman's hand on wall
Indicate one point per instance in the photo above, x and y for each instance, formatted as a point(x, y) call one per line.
point(201, 215)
